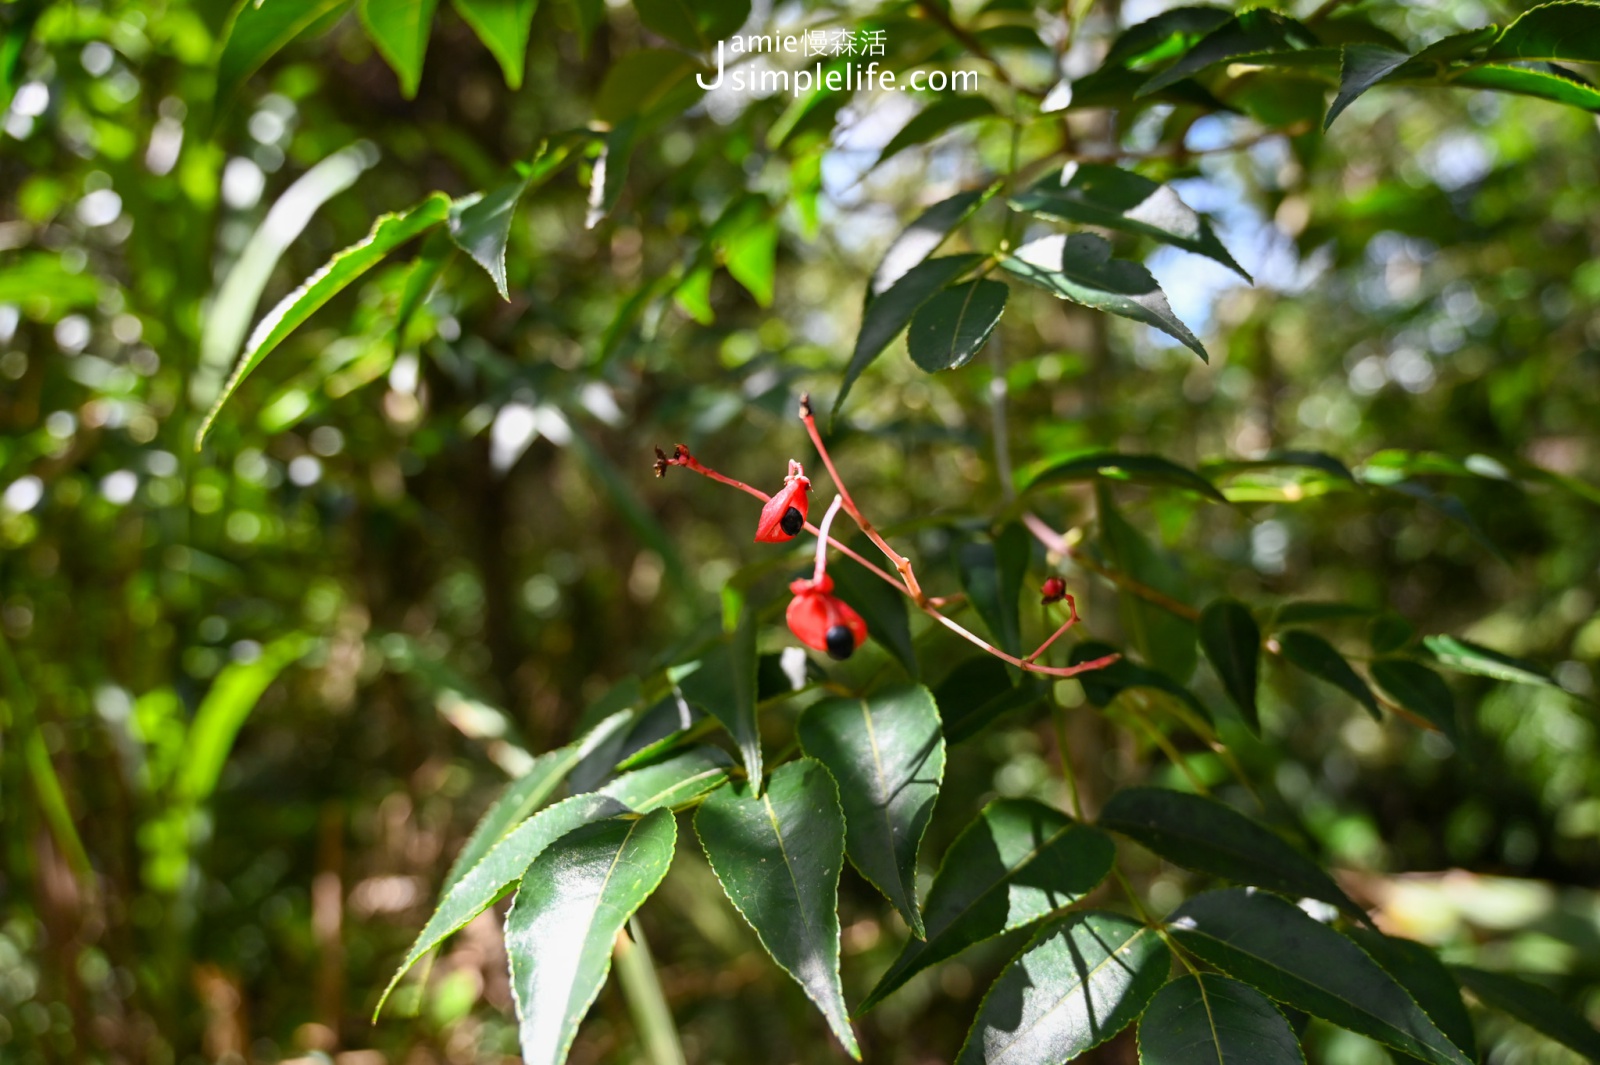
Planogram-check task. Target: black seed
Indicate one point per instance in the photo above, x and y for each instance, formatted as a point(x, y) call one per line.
point(792, 521)
point(841, 642)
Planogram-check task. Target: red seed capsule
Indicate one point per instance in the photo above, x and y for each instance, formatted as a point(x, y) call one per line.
point(1054, 590)
point(784, 515)
point(821, 620)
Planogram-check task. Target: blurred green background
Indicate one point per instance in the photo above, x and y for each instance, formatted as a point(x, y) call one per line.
point(256, 696)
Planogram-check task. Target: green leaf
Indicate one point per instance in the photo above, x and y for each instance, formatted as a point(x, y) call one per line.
point(891, 312)
point(1464, 656)
point(1078, 983)
point(1080, 268)
point(1149, 470)
point(1205, 1019)
point(1535, 1006)
point(924, 235)
point(388, 232)
point(724, 686)
point(953, 326)
point(573, 900)
point(1551, 82)
point(880, 606)
point(1420, 972)
point(519, 799)
point(1362, 67)
point(1322, 660)
point(1018, 861)
point(610, 169)
point(673, 783)
point(778, 857)
point(938, 117)
point(256, 34)
point(1420, 690)
point(1204, 835)
point(480, 225)
point(222, 713)
point(1231, 640)
point(979, 691)
point(430, 264)
point(1166, 36)
point(1565, 31)
point(992, 574)
point(1098, 195)
point(233, 307)
point(504, 27)
point(1256, 31)
point(751, 256)
point(479, 886)
point(887, 756)
point(1277, 948)
point(1162, 638)
point(400, 30)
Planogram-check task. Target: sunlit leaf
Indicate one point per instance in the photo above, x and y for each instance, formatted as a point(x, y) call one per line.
point(1275, 947)
point(400, 29)
point(1017, 862)
point(924, 235)
point(1078, 983)
point(1464, 656)
point(388, 233)
point(1206, 1019)
point(258, 32)
point(779, 856)
point(519, 799)
point(1080, 268)
point(953, 326)
point(480, 225)
point(571, 903)
point(724, 685)
point(1099, 195)
point(887, 755)
point(664, 786)
point(504, 27)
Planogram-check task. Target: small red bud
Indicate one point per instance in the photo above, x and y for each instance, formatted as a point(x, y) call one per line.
point(821, 620)
point(784, 514)
point(1053, 590)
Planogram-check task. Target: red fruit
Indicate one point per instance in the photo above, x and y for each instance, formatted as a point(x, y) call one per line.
point(1054, 590)
point(822, 620)
point(784, 514)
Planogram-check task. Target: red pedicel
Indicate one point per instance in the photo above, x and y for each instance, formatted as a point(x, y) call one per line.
point(822, 620)
point(785, 513)
point(1054, 590)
